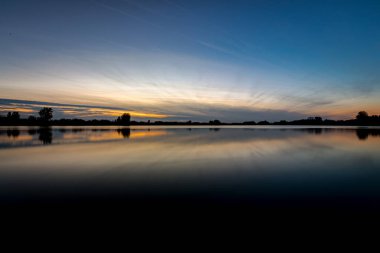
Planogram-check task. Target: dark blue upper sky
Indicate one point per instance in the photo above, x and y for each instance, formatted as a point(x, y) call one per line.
point(189, 59)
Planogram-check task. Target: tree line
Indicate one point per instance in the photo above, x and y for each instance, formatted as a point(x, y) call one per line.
point(45, 118)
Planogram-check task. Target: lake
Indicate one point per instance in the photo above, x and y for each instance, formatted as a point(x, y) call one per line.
point(329, 170)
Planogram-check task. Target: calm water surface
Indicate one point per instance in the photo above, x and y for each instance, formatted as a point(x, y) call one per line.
point(253, 166)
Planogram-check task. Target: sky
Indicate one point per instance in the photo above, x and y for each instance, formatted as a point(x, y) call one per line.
point(190, 60)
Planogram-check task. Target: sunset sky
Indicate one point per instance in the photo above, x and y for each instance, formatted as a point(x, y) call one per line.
point(190, 60)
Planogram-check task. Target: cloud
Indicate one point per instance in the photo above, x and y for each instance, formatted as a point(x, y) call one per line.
point(188, 112)
point(236, 114)
point(169, 86)
point(26, 107)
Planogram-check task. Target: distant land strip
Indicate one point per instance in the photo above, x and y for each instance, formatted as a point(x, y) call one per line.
point(45, 118)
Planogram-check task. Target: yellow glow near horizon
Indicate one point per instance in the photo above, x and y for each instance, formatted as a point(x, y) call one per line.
point(179, 87)
point(16, 109)
point(115, 113)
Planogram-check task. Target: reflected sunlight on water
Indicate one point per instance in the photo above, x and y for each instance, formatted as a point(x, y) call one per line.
point(181, 148)
point(22, 136)
point(229, 163)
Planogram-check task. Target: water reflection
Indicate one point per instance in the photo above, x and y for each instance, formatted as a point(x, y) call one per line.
point(32, 136)
point(45, 135)
point(125, 132)
point(18, 136)
point(14, 133)
point(364, 133)
point(281, 166)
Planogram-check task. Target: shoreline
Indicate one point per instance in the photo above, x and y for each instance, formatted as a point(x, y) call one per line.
point(188, 125)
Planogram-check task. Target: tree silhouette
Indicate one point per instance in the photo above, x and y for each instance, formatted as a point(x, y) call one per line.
point(32, 118)
point(13, 116)
point(215, 122)
point(124, 119)
point(362, 115)
point(46, 114)
point(263, 123)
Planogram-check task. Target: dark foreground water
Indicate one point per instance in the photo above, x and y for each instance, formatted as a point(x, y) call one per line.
point(265, 173)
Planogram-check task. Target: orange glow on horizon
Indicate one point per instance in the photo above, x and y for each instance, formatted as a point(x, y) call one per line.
point(115, 113)
point(144, 134)
point(17, 109)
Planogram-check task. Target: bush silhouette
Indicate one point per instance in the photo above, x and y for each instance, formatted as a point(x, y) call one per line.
point(215, 122)
point(14, 116)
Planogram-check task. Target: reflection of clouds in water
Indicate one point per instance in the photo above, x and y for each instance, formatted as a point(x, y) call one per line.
point(237, 160)
point(47, 135)
point(184, 135)
point(160, 150)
